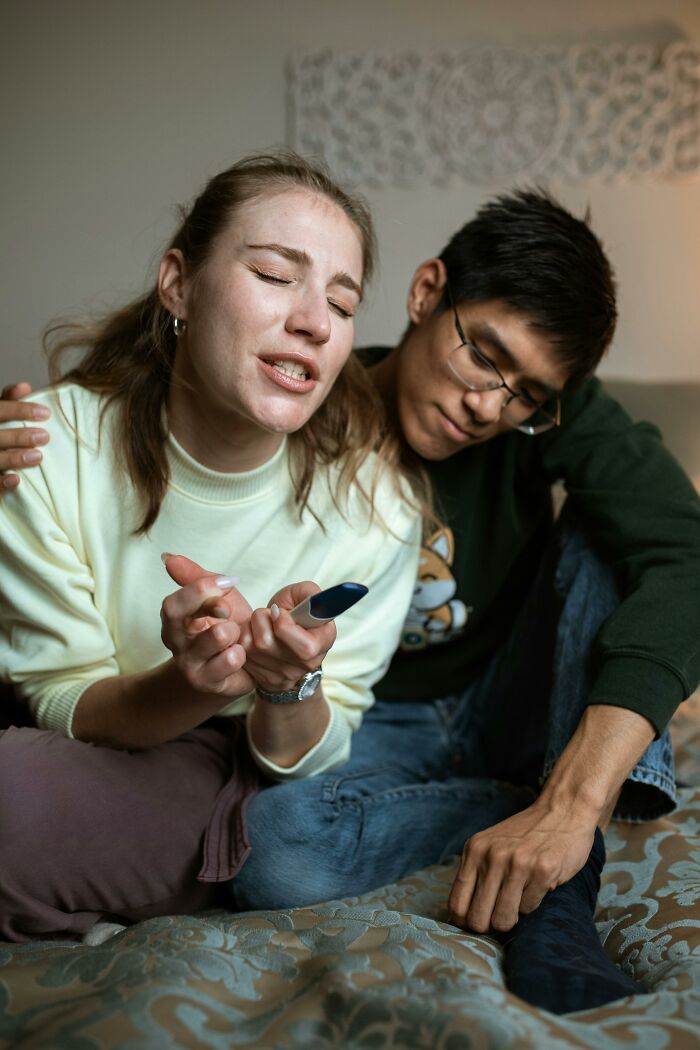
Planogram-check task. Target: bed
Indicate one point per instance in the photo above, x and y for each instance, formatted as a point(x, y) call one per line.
point(382, 970)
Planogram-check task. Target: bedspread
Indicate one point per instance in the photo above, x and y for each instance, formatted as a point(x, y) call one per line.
point(382, 970)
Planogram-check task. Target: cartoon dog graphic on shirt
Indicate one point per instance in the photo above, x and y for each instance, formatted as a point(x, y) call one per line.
point(435, 615)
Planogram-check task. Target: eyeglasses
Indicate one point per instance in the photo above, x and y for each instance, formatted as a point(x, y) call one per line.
point(476, 372)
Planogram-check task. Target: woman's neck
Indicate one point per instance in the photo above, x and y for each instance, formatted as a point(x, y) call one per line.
point(211, 434)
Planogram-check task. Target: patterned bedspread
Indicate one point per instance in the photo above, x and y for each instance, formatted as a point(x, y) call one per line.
point(383, 970)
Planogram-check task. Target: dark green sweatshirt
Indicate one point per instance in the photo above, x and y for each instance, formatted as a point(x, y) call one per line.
point(638, 509)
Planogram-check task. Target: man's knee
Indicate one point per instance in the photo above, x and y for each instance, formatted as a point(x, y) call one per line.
point(581, 569)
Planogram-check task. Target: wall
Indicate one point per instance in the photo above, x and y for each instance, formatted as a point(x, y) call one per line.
point(120, 110)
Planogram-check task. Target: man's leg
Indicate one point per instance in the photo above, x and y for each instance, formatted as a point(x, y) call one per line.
point(87, 831)
point(554, 958)
point(394, 808)
point(530, 699)
point(588, 593)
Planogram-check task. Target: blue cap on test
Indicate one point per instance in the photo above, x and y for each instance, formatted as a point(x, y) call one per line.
point(331, 603)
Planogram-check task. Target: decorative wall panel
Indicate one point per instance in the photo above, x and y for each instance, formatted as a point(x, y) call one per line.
point(477, 114)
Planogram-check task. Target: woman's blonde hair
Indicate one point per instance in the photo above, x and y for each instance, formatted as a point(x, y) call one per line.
point(128, 355)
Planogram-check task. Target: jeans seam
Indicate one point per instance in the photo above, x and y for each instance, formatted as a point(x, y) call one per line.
point(656, 777)
point(397, 794)
point(329, 791)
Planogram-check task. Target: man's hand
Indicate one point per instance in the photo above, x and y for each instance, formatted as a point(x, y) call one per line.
point(507, 869)
point(19, 446)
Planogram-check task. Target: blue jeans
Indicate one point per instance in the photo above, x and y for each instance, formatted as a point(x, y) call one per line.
point(425, 776)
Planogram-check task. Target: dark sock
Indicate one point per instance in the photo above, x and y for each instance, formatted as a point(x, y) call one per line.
point(553, 956)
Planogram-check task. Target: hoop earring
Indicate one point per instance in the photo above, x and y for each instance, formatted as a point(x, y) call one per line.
point(179, 326)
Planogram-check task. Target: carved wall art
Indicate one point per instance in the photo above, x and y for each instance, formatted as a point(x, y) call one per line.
point(483, 113)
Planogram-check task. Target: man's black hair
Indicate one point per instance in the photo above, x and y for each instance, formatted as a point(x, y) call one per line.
point(525, 249)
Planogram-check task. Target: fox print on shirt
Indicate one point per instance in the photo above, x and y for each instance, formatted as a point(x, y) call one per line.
point(435, 615)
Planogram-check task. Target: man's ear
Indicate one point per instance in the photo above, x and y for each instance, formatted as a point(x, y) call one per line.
point(426, 290)
point(172, 283)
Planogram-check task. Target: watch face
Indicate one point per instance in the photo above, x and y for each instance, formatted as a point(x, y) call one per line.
point(310, 685)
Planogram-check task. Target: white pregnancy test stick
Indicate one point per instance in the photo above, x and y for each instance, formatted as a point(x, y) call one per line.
point(326, 605)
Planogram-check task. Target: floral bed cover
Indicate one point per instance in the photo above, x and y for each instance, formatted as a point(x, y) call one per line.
point(382, 970)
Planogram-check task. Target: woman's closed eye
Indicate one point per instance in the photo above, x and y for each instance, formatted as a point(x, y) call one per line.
point(273, 278)
point(342, 311)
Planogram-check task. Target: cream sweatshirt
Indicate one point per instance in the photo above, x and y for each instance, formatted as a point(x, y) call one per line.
point(80, 594)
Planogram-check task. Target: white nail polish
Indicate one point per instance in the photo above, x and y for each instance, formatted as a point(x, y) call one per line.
point(164, 555)
point(275, 611)
point(226, 582)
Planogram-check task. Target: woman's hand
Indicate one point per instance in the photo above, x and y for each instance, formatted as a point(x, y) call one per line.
point(18, 447)
point(201, 625)
point(279, 654)
point(278, 651)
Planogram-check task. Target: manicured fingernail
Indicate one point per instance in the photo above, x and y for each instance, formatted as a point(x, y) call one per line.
point(33, 456)
point(275, 611)
point(40, 412)
point(226, 582)
point(165, 555)
point(9, 482)
point(39, 437)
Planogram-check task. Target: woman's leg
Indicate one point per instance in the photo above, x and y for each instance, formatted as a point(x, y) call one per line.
point(87, 831)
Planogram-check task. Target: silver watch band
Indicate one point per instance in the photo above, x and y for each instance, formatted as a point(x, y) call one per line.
point(305, 687)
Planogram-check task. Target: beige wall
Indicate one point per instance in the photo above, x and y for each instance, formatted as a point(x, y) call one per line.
point(114, 112)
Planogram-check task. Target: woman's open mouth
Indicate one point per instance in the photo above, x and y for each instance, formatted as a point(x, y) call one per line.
point(291, 368)
point(291, 374)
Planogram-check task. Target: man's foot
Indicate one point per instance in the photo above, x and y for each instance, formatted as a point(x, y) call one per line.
point(554, 958)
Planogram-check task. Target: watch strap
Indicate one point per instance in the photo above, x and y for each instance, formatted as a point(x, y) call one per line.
point(304, 688)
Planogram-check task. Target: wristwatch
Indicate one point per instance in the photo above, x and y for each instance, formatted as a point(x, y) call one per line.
point(304, 688)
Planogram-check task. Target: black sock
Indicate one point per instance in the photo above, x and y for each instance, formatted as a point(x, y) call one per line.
point(553, 956)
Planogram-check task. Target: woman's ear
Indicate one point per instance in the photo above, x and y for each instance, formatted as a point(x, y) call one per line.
point(426, 290)
point(172, 283)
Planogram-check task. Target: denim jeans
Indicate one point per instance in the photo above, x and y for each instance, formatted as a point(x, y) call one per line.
point(425, 776)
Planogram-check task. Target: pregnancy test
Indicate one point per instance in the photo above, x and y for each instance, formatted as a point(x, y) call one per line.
point(326, 605)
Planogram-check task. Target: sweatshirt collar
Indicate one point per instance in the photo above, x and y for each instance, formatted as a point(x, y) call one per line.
point(189, 476)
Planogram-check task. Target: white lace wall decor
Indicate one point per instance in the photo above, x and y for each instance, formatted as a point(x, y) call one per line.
point(482, 113)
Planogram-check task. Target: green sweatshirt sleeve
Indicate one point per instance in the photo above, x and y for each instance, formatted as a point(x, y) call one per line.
point(640, 510)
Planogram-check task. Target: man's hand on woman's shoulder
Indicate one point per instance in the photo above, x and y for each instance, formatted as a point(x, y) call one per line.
point(19, 446)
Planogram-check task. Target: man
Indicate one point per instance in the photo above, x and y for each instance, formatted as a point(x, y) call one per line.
point(538, 669)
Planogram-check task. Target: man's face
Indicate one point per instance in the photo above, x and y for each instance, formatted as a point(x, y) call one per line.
point(439, 415)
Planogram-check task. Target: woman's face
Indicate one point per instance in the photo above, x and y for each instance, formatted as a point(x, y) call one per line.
point(270, 314)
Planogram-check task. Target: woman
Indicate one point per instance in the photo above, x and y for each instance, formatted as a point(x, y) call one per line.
point(170, 435)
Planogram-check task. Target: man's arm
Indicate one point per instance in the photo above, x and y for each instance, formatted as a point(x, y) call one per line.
point(641, 513)
point(19, 447)
point(629, 496)
point(508, 869)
